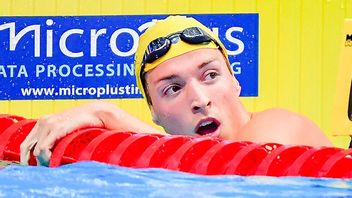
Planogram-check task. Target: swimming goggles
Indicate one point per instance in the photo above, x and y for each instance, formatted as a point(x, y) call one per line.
point(160, 46)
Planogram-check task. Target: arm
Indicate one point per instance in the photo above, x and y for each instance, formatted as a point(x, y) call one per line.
point(50, 128)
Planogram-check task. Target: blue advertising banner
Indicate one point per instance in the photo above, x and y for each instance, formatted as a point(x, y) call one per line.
point(81, 57)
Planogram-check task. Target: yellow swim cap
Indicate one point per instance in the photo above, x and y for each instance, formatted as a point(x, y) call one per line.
point(164, 28)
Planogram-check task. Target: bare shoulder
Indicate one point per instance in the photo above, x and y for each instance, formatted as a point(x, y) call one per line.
point(283, 126)
point(276, 113)
point(282, 117)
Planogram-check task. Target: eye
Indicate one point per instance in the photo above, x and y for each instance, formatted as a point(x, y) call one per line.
point(211, 75)
point(171, 90)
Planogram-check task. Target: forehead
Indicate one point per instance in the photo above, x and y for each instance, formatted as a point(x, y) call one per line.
point(189, 60)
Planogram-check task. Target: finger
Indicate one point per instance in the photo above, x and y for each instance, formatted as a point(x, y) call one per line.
point(52, 137)
point(43, 147)
point(40, 147)
point(53, 128)
point(43, 131)
point(25, 153)
point(27, 145)
point(44, 157)
point(47, 139)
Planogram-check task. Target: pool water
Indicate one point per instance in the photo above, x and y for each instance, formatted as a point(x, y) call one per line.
point(93, 179)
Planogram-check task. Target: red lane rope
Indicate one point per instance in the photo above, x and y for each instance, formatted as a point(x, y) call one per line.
point(200, 155)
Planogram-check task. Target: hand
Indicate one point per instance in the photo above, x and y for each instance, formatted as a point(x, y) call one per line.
point(50, 128)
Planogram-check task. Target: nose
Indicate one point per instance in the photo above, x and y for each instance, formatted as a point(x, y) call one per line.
point(200, 100)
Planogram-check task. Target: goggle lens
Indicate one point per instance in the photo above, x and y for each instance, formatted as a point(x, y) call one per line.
point(195, 36)
point(157, 48)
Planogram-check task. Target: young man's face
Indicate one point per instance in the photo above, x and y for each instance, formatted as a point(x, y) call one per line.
point(195, 93)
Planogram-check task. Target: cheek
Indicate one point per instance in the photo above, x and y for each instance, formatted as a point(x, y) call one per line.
point(226, 90)
point(168, 111)
point(171, 115)
point(174, 120)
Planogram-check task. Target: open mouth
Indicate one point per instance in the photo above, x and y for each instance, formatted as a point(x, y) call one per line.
point(207, 127)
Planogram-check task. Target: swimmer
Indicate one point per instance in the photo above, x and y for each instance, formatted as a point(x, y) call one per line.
point(183, 72)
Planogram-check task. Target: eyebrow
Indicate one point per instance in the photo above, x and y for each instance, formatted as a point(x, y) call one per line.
point(173, 76)
point(167, 78)
point(205, 63)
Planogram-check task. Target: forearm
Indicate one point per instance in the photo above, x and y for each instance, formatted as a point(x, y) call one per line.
point(115, 118)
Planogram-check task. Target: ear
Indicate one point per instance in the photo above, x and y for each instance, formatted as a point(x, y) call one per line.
point(155, 117)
